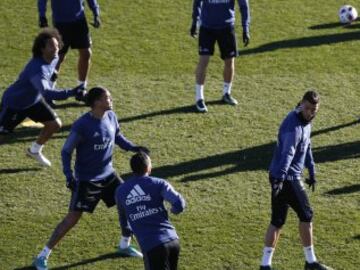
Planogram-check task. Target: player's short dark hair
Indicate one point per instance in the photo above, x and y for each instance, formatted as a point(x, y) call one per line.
point(139, 163)
point(311, 96)
point(93, 95)
point(42, 38)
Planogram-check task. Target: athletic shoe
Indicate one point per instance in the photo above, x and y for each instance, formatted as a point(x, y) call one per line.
point(40, 263)
point(268, 267)
point(130, 251)
point(200, 106)
point(316, 266)
point(39, 157)
point(228, 99)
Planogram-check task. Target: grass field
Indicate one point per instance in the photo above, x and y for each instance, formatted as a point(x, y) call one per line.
point(218, 160)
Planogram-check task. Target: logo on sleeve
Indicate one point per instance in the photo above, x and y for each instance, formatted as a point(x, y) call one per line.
point(136, 194)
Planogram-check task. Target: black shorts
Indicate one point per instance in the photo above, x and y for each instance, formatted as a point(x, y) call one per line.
point(39, 112)
point(74, 34)
point(292, 195)
point(163, 257)
point(224, 37)
point(87, 194)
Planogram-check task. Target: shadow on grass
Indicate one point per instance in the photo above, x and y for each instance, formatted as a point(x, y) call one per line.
point(108, 256)
point(327, 26)
point(17, 170)
point(344, 190)
point(304, 42)
point(253, 159)
point(178, 110)
point(356, 237)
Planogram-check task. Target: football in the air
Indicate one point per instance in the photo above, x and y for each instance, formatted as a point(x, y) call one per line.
point(347, 14)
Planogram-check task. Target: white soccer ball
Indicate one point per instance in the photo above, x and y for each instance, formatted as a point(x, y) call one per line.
point(347, 14)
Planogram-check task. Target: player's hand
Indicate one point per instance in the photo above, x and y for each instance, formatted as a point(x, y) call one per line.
point(246, 38)
point(79, 92)
point(193, 31)
point(311, 181)
point(142, 149)
point(97, 22)
point(43, 22)
point(276, 186)
point(70, 183)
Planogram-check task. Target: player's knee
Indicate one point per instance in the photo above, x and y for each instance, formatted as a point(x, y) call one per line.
point(307, 216)
point(278, 222)
point(85, 54)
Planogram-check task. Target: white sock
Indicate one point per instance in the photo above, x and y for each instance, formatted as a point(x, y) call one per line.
point(45, 252)
point(36, 148)
point(199, 90)
point(268, 253)
point(309, 254)
point(227, 88)
point(125, 242)
point(84, 83)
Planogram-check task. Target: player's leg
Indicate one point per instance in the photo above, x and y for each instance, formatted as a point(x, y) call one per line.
point(157, 258)
point(109, 186)
point(174, 251)
point(60, 231)
point(206, 49)
point(9, 119)
point(41, 112)
point(84, 65)
point(301, 205)
point(279, 210)
point(228, 49)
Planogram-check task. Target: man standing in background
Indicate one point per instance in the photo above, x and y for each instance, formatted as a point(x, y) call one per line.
point(217, 25)
point(69, 18)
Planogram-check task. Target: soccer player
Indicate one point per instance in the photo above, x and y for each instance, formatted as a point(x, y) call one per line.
point(25, 97)
point(217, 23)
point(93, 136)
point(142, 199)
point(292, 154)
point(69, 18)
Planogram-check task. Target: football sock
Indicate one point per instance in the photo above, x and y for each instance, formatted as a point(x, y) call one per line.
point(124, 242)
point(84, 83)
point(199, 90)
point(310, 254)
point(227, 88)
point(36, 148)
point(268, 253)
point(45, 252)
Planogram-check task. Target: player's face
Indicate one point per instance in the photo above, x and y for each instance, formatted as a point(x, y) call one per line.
point(51, 50)
point(106, 101)
point(309, 110)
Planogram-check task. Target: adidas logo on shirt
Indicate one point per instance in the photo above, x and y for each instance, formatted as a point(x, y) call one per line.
point(136, 195)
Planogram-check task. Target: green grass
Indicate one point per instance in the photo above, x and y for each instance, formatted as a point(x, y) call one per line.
point(144, 55)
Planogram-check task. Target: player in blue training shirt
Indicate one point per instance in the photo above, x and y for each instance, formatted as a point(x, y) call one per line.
point(69, 18)
point(142, 199)
point(292, 154)
point(217, 24)
point(25, 97)
point(93, 136)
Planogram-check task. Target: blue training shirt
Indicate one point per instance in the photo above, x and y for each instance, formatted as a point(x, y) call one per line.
point(64, 11)
point(33, 84)
point(142, 198)
point(218, 14)
point(293, 149)
point(94, 141)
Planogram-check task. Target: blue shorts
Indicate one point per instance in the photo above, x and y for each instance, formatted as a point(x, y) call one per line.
point(225, 38)
point(292, 195)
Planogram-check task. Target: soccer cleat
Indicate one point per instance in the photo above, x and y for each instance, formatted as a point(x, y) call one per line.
point(316, 266)
point(40, 263)
point(200, 106)
point(228, 99)
point(268, 267)
point(130, 251)
point(39, 157)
